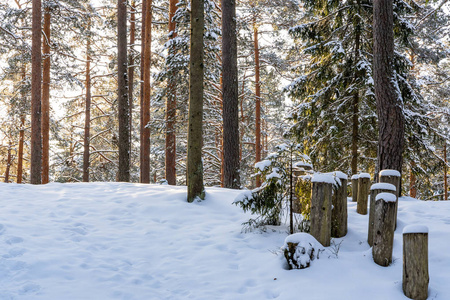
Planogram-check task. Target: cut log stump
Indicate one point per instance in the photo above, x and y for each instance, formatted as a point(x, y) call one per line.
point(383, 229)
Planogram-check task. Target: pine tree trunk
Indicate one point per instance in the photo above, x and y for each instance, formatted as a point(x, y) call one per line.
point(195, 136)
point(122, 82)
point(412, 182)
point(131, 71)
point(257, 102)
point(145, 96)
point(230, 96)
point(87, 115)
point(8, 163)
point(389, 105)
point(21, 134)
point(171, 107)
point(355, 104)
point(46, 96)
point(36, 76)
point(445, 172)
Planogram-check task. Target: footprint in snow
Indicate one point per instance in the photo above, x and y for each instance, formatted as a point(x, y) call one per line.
point(14, 252)
point(13, 240)
point(29, 288)
point(2, 229)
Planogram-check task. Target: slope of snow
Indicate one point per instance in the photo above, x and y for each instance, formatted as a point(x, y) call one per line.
point(131, 241)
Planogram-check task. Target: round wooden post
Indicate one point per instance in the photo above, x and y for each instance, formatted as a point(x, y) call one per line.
point(376, 189)
point(383, 228)
point(322, 186)
point(415, 262)
point(363, 193)
point(392, 177)
point(355, 188)
point(339, 211)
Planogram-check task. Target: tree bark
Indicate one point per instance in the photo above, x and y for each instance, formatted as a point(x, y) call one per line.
point(171, 107)
point(339, 212)
point(8, 163)
point(257, 101)
point(230, 96)
point(195, 137)
point(363, 194)
point(355, 104)
point(122, 82)
point(46, 95)
point(389, 105)
point(21, 134)
point(87, 114)
point(131, 70)
point(412, 182)
point(145, 96)
point(36, 89)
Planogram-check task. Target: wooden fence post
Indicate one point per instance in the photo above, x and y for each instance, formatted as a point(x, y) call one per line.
point(322, 188)
point(392, 177)
point(363, 193)
point(376, 189)
point(339, 211)
point(415, 262)
point(355, 188)
point(383, 228)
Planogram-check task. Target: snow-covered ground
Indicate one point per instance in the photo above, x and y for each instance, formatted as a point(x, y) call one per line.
point(131, 241)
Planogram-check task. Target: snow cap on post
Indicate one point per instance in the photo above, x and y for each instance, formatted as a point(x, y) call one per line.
point(341, 175)
point(388, 172)
point(356, 176)
point(364, 175)
point(383, 186)
point(386, 197)
point(319, 177)
point(415, 229)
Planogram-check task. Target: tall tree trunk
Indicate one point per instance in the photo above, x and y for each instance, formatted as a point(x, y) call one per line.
point(145, 96)
point(21, 133)
point(195, 137)
point(122, 94)
point(171, 107)
point(46, 95)
point(257, 102)
point(131, 70)
point(87, 116)
point(445, 172)
point(412, 182)
point(230, 96)
point(36, 89)
point(8, 163)
point(389, 106)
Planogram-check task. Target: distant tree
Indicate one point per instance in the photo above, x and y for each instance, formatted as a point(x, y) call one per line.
point(123, 104)
point(36, 72)
point(231, 159)
point(195, 136)
point(87, 111)
point(46, 93)
point(391, 120)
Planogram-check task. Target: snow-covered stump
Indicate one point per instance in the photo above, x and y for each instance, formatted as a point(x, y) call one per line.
point(376, 189)
point(322, 188)
point(363, 193)
point(415, 262)
point(339, 211)
point(383, 228)
point(300, 249)
point(355, 188)
point(392, 177)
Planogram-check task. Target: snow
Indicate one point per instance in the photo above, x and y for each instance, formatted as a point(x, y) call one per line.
point(383, 186)
point(364, 175)
point(261, 165)
point(341, 175)
point(356, 176)
point(390, 173)
point(386, 197)
point(318, 177)
point(416, 228)
point(102, 241)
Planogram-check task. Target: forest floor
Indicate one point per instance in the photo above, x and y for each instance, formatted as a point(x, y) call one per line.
point(99, 241)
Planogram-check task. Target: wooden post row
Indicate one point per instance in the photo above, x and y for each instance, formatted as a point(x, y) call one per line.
point(339, 212)
point(392, 177)
point(322, 188)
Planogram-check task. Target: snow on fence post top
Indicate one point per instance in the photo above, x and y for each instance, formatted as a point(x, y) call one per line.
point(319, 177)
point(356, 176)
point(341, 175)
point(415, 229)
point(386, 197)
point(364, 175)
point(390, 173)
point(383, 186)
